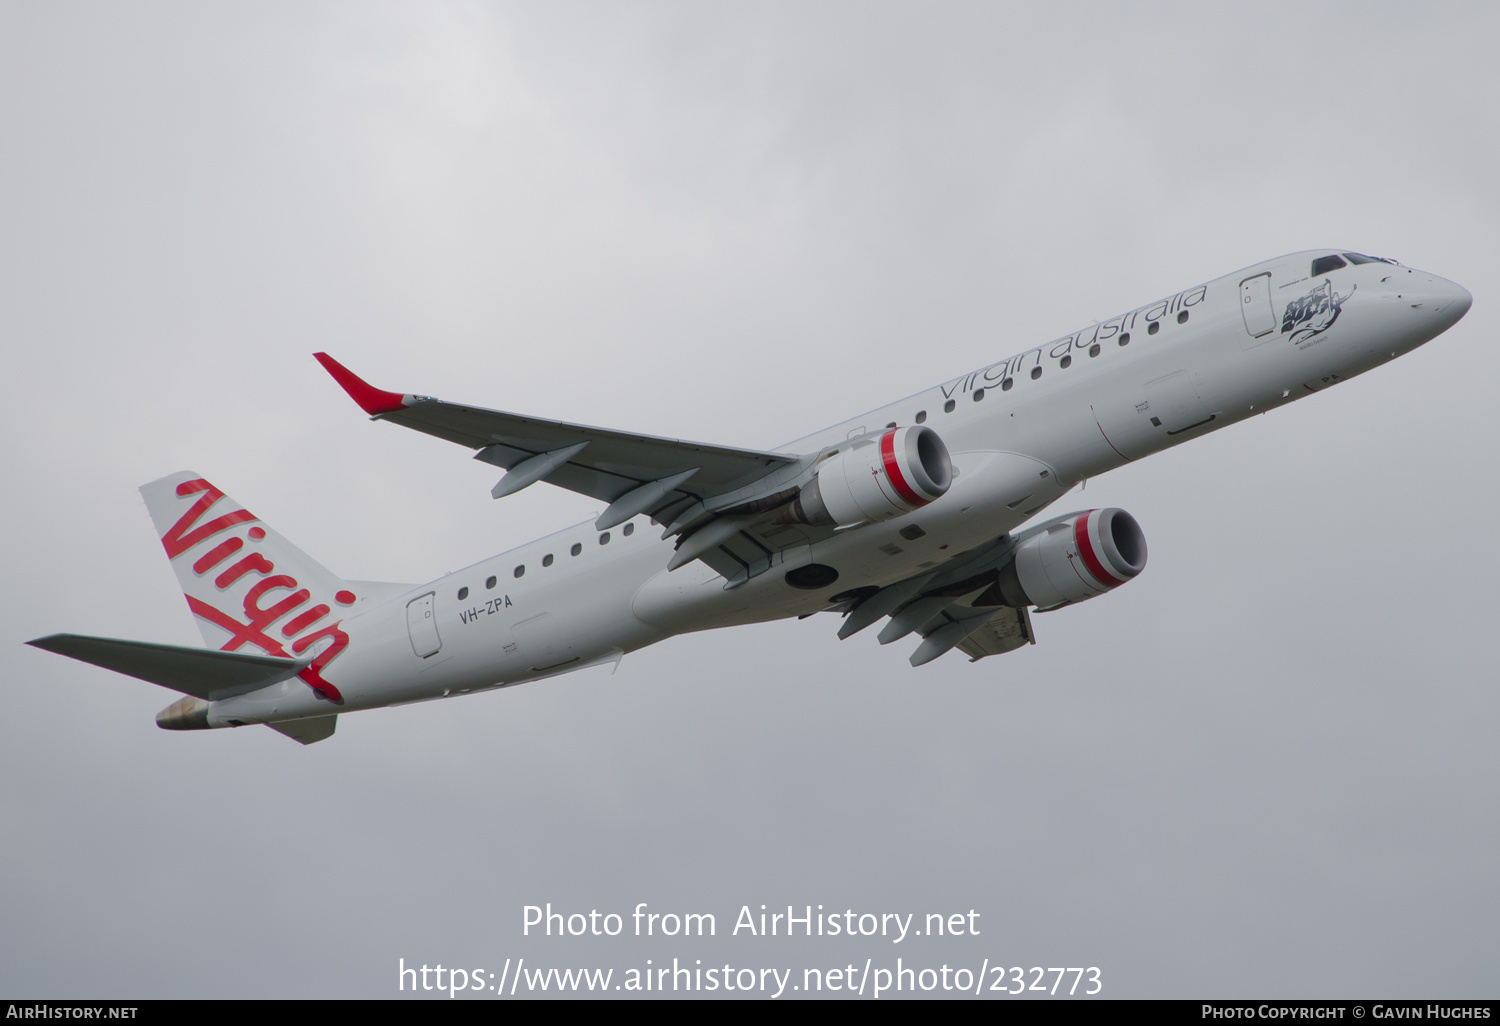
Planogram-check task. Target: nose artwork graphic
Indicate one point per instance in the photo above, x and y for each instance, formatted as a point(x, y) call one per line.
point(1313, 313)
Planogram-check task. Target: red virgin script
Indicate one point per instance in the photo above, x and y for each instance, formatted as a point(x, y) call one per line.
point(254, 630)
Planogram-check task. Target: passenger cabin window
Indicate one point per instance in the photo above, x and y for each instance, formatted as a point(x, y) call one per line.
point(1182, 317)
point(1066, 361)
point(948, 406)
point(604, 538)
point(1125, 338)
point(1036, 372)
point(547, 559)
point(576, 549)
point(519, 570)
point(921, 417)
point(1154, 327)
point(1323, 265)
point(628, 530)
point(463, 593)
point(489, 582)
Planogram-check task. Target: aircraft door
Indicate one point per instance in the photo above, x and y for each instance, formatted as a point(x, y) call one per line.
point(1255, 307)
point(421, 625)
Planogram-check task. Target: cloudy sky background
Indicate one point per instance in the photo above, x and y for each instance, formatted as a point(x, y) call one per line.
point(1266, 768)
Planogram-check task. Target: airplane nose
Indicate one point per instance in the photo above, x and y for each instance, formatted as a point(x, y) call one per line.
point(1449, 301)
point(1457, 301)
point(1432, 297)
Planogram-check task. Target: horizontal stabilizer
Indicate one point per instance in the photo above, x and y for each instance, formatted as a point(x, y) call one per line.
point(307, 731)
point(201, 672)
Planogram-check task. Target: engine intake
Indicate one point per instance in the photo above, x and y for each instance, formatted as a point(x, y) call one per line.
point(1074, 559)
point(869, 482)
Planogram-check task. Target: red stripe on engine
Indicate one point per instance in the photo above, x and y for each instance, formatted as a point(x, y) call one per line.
point(1086, 550)
point(893, 470)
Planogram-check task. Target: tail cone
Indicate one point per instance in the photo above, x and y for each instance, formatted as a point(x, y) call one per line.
point(187, 713)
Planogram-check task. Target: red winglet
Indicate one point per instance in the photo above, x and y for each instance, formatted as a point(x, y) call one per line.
point(373, 400)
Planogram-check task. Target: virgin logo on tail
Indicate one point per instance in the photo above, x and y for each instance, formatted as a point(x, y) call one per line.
point(255, 628)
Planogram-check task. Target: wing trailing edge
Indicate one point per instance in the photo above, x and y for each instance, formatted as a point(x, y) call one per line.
point(601, 463)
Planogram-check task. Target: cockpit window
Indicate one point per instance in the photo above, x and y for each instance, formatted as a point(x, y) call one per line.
point(1360, 258)
point(1323, 265)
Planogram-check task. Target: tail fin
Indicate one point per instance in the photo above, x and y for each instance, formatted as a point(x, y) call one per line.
point(248, 587)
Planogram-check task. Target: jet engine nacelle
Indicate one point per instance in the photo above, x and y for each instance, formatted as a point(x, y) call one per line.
point(1074, 558)
point(866, 483)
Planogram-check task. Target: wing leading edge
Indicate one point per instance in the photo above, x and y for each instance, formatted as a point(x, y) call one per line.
point(633, 473)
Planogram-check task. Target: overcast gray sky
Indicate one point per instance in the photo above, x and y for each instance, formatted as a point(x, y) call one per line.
point(1268, 767)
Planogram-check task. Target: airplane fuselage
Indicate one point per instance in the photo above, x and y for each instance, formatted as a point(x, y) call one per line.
point(1021, 432)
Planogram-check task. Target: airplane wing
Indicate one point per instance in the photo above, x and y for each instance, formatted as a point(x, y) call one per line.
point(958, 605)
point(975, 623)
point(633, 473)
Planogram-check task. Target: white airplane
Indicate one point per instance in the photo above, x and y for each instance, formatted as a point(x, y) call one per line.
point(912, 513)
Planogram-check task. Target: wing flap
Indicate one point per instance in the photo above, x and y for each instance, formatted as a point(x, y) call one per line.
point(1006, 631)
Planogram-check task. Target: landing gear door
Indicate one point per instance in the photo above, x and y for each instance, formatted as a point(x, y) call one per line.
point(1255, 307)
point(421, 625)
